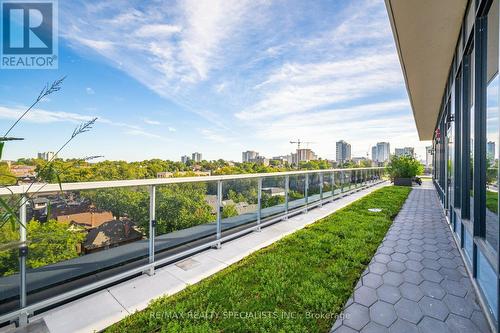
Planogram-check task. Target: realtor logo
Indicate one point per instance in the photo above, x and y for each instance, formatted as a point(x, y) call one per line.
point(29, 34)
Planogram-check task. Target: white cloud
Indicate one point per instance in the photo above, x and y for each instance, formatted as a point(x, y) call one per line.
point(151, 122)
point(138, 132)
point(42, 116)
point(220, 87)
point(255, 71)
point(303, 87)
point(172, 129)
point(177, 49)
point(89, 91)
point(154, 30)
point(214, 136)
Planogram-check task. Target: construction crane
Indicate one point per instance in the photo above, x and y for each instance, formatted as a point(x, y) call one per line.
point(298, 142)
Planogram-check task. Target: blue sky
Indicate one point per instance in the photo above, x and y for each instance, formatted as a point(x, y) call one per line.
point(167, 78)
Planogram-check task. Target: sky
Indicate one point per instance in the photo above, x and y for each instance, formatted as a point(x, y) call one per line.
point(168, 78)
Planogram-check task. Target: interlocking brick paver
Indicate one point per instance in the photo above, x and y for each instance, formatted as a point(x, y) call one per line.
point(416, 281)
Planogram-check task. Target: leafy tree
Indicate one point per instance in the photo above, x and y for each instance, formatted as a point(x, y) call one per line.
point(235, 196)
point(6, 177)
point(229, 211)
point(49, 242)
point(404, 166)
point(180, 206)
point(122, 202)
point(269, 201)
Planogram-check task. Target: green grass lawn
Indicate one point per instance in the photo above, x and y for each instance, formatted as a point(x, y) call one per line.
point(297, 284)
point(492, 201)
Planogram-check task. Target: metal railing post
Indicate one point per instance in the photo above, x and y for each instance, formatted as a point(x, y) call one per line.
point(287, 189)
point(306, 188)
point(152, 227)
point(219, 212)
point(321, 190)
point(23, 253)
point(259, 203)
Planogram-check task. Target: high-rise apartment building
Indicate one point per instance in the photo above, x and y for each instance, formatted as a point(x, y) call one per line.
point(197, 157)
point(306, 154)
point(490, 150)
point(249, 156)
point(409, 151)
point(47, 156)
point(343, 151)
point(374, 154)
point(383, 152)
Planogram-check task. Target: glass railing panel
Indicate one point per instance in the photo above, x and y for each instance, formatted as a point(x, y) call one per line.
point(80, 237)
point(357, 178)
point(186, 216)
point(239, 204)
point(328, 185)
point(314, 188)
point(9, 267)
point(273, 196)
point(365, 177)
point(350, 179)
point(296, 194)
point(337, 180)
point(344, 180)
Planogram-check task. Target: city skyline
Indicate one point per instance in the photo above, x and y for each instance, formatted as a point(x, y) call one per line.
point(253, 156)
point(206, 99)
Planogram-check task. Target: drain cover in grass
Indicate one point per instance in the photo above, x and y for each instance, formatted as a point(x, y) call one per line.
point(375, 210)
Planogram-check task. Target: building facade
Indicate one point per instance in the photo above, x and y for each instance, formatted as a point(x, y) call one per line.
point(185, 159)
point(490, 151)
point(383, 152)
point(457, 48)
point(305, 154)
point(47, 156)
point(408, 151)
point(197, 157)
point(343, 151)
point(249, 156)
point(283, 159)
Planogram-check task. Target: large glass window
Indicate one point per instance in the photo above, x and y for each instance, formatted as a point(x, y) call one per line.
point(450, 150)
point(458, 123)
point(492, 128)
point(469, 86)
point(472, 115)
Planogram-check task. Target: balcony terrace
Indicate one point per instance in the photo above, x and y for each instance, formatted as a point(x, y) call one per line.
point(110, 284)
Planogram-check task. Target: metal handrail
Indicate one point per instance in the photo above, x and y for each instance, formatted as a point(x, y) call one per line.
point(21, 315)
point(47, 188)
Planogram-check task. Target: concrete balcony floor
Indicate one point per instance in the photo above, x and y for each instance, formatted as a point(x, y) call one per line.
point(417, 281)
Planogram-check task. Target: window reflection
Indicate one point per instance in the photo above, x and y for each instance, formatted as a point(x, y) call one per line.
point(471, 131)
point(492, 130)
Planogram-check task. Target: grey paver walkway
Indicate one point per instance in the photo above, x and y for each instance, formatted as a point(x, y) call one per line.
point(416, 282)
